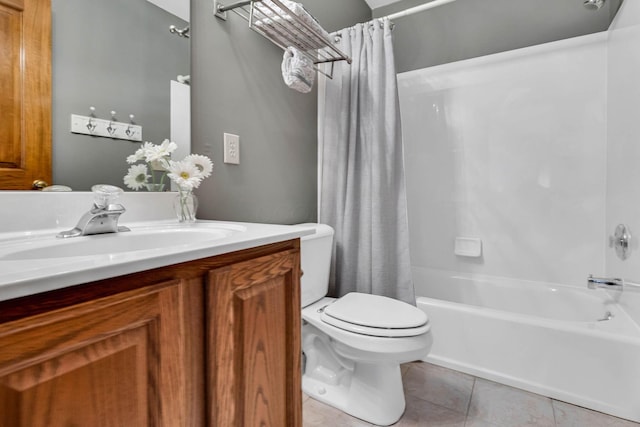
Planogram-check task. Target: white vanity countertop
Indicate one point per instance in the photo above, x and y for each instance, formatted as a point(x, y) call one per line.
point(33, 260)
point(36, 262)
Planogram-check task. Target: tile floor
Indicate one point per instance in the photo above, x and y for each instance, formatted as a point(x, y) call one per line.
point(441, 397)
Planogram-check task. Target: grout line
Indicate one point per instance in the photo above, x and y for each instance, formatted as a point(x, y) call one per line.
point(553, 409)
point(473, 389)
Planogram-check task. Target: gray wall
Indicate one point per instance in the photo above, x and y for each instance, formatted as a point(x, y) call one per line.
point(114, 55)
point(470, 28)
point(238, 89)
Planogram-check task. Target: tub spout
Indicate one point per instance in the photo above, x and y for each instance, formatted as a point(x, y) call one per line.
point(605, 283)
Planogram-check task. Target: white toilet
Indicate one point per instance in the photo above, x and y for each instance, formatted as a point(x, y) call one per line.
point(353, 346)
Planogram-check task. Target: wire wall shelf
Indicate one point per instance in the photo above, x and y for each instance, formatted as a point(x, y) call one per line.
point(287, 25)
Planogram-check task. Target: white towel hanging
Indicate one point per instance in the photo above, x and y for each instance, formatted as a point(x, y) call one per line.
point(298, 71)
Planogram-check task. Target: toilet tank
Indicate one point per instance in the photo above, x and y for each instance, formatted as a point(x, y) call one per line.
point(315, 252)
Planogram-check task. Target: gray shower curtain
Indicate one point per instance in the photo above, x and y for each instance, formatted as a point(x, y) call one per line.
point(361, 172)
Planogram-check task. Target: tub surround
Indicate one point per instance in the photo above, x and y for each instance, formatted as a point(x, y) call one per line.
point(204, 335)
point(509, 148)
point(623, 175)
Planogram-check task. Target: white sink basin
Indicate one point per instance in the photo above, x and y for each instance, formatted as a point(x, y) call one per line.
point(156, 238)
point(36, 261)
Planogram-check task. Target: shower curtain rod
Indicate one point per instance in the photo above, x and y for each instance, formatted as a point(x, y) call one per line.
point(416, 9)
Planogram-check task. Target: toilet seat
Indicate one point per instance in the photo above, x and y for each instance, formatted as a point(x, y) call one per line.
point(375, 315)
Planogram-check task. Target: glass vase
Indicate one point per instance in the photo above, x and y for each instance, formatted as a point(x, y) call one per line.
point(185, 205)
point(154, 187)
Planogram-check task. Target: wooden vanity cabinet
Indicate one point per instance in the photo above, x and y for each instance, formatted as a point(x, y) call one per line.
point(253, 317)
point(211, 342)
point(115, 361)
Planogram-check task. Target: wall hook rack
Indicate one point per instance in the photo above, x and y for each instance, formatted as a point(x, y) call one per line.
point(91, 125)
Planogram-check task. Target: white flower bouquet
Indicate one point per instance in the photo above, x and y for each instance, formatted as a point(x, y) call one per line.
point(151, 163)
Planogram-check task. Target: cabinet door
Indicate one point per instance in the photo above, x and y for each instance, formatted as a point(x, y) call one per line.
point(253, 332)
point(98, 364)
point(25, 93)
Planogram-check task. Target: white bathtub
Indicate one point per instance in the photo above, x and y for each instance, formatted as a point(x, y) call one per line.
point(535, 336)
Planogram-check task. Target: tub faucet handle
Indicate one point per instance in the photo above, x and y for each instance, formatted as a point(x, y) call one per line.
point(621, 241)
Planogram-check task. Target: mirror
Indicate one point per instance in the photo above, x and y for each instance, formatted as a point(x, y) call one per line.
point(116, 55)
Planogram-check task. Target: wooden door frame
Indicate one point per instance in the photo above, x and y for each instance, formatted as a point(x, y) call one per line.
point(33, 161)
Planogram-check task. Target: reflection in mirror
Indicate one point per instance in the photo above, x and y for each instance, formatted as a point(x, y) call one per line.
point(117, 55)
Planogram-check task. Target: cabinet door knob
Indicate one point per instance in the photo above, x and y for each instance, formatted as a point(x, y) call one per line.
point(39, 184)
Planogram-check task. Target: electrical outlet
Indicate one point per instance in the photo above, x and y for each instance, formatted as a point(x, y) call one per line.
point(231, 149)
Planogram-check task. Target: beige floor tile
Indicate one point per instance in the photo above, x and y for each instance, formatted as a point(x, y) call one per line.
point(404, 368)
point(317, 414)
point(490, 405)
point(439, 385)
point(421, 413)
point(574, 416)
point(509, 407)
point(476, 422)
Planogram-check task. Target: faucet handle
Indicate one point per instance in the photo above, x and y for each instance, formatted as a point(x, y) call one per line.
point(621, 241)
point(104, 194)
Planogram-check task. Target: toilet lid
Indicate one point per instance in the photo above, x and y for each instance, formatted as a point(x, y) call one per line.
point(375, 315)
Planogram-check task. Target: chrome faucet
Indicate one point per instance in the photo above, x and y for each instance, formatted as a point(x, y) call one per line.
point(102, 217)
point(605, 283)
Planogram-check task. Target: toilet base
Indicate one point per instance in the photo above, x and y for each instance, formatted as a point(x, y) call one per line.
point(355, 373)
point(372, 392)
